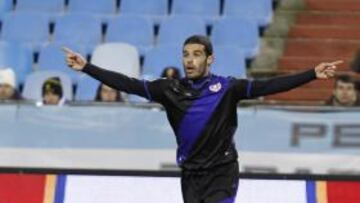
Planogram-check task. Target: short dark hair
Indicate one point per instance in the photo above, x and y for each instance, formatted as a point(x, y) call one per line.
point(345, 78)
point(203, 40)
point(52, 85)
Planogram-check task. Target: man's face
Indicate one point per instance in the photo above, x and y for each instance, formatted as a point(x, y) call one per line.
point(51, 98)
point(6, 91)
point(345, 93)
point(196, 63)
point(108, 94)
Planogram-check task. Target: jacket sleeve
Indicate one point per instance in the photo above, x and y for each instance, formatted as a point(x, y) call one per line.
point(151, 90)
point(247, 89)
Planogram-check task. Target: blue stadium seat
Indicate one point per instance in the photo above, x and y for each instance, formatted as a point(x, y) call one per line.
point(207, 9)
point(237, 32)
point(51, 57)
point(49, 6)
point(119, 57)
point(135, 30)
point(93, 6)
point(174, 30)
point(160, 57)
point(33, 84)
point(151, 8)
point(28, 28)
point(258, 10)
point(5, 6)
point(229, 61)
point(16, 57)
point(81, 28)
point(86, 88)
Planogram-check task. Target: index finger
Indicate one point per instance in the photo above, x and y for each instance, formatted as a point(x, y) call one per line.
point(67, 50)
point(336, 62)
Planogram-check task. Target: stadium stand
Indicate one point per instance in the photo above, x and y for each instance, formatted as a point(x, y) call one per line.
point(209, 10)
point(5, 6)
point(154, 9)
point(86, 88)
point(78, 28)
point(135, 30)
point(92, 6)
point(174, 30)
point(31, 29)
point(156, 28)
point(323, 31)
point(46, 6)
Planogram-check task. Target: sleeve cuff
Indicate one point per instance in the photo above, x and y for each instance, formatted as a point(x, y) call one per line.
point(87, 68)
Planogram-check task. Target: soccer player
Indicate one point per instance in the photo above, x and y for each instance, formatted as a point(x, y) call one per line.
point(201, 109)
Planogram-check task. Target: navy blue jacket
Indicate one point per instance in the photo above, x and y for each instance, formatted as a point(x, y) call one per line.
point(202, 113)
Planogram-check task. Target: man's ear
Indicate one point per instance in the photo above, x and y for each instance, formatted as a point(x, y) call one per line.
point(210, 60)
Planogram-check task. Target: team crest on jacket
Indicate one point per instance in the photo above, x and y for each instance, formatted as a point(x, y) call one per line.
point(215, 87)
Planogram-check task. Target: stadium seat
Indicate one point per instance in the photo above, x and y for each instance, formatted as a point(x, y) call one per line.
point(118, 57)
point(49, 6)
point(29, 28)
point(86, 88)
point(259, 11)
point(174, 30)
point(81, 28)
point(209, 10)
point(33, 84)
point(93, 6)
point(16, 57)
point(51, 57)
point(5, 6)
point(160, 57)
point(237, 32)
point(134, 30)
point(229, 61)
point(157, 9)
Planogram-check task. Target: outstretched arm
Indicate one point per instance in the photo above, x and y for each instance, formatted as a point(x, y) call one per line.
point(150, 90)
point(246, 89)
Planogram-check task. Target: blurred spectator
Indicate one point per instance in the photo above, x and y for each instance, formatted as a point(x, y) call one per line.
point(345, 92)
point(171, 73)
point(105, 93)
point(52, 92)
point(7, 85)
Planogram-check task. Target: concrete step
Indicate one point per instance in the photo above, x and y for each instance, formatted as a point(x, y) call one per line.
point(302, 94)
point(337, 49)
point(328, 18)
point(290, 64)
point(325, 32)
point(333, 5)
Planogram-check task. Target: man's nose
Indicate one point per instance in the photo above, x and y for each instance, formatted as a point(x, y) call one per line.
point(190, 61)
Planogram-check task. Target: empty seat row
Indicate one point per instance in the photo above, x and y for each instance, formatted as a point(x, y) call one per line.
point(33, 29)
point(258, 10)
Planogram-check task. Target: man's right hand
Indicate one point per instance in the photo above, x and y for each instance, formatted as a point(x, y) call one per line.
point(74, 60)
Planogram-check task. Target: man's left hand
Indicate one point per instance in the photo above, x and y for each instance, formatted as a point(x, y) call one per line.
point(327, 70)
